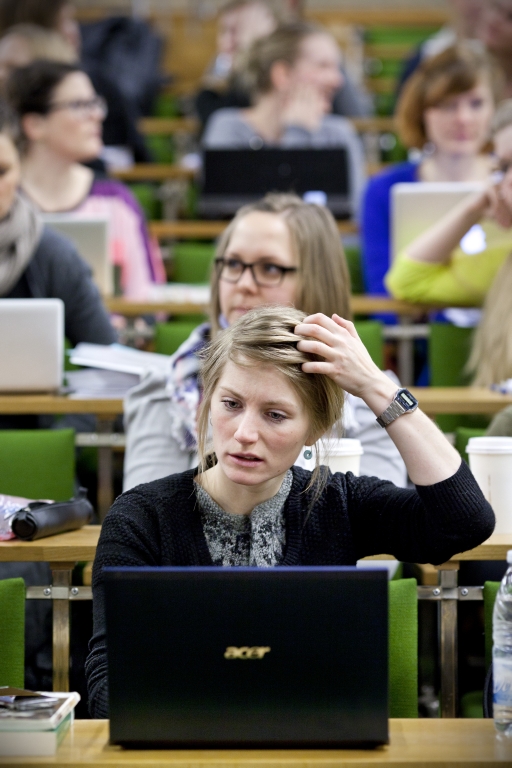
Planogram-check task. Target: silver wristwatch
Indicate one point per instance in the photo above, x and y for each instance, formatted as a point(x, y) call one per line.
point(403, 402)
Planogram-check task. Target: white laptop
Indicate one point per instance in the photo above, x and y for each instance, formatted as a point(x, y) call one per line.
point(416, 206)
point(31, 345)
point(90, 237)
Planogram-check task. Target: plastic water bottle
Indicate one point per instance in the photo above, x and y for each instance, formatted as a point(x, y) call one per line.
point(502, 653)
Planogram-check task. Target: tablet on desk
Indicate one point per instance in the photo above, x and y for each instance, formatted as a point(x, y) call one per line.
point(247, 657)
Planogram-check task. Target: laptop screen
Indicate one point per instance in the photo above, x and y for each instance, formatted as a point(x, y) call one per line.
point(247, 656)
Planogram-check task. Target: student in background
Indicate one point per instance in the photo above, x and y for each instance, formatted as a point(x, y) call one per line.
point(495, 32)
point(293, 75)
point(240, 23)
point(437, 267)
point(119, 129)
point(445, 110)
point(61, 117)
point(273, 383)
point(35, 261)
point(296, 258)
point(24, 43)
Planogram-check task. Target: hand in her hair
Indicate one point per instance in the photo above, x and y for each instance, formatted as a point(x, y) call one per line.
point(346, 359)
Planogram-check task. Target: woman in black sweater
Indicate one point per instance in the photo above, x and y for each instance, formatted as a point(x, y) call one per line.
point(273, 383)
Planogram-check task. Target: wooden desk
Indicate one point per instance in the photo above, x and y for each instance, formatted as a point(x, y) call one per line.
point(421, 743)
point(62, 552)
point(360, 304)
point(209, 230)
point(462, 400)
point(154, 172)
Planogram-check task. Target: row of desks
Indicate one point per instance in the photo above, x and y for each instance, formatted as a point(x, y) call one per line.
point(414, 743)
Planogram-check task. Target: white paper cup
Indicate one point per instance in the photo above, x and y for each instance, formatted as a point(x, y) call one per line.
point(341, 455)
point(490, 460)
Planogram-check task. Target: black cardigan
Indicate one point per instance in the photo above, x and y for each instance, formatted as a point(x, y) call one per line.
point(159, 524)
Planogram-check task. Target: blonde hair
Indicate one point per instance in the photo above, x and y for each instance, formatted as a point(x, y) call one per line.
point(43, 43)
point(491, 355)
point(453, 71)
point(283, 44)
point(323, 277)
point(266, 336)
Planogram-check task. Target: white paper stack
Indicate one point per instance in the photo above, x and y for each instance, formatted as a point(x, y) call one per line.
point(97, 383)
point(37, 733)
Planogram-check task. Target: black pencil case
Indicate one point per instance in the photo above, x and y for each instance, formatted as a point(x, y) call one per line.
point(45, 518)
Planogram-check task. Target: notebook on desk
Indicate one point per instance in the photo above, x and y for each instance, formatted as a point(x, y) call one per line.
point(247, 657)
point(31, 345)
point(90, 238)
point(234, 177)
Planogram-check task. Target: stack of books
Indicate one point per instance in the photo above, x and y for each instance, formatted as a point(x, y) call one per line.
point(35, 732)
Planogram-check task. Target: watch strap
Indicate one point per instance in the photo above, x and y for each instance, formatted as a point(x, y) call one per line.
point(391, 413)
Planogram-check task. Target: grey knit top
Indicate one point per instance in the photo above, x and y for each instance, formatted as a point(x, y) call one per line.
point(257, 539)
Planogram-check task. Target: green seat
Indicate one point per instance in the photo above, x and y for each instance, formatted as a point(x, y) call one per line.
point(12, 632)
point(403, 648)
point(169, 336)
point(370, 332)
point(448, 352)
point(37, 464)
point(192, 262)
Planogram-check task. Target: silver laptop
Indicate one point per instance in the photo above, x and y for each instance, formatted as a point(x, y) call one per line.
point(416, 206)
point(31, 345)
point(90, 237)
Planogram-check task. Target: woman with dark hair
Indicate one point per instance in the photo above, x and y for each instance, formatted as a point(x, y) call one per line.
point(61, 118)
point(35, 261)
point(59, 16)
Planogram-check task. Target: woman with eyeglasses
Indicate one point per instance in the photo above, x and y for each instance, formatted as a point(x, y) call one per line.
point(278, 251)
point(61, 119)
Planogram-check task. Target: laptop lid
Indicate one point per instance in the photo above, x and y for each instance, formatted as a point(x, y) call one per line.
point(416, 206)
point(31, 344)
point(247, 657)
point(233, 177)
point(90, 238)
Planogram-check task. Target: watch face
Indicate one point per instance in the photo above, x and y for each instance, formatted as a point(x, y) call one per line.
point(406, 400)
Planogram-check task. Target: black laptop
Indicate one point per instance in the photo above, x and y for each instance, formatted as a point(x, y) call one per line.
point(233, 177)
point(247, 657)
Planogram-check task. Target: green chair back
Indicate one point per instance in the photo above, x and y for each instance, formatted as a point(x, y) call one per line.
point(448, 353)
point(370, 332)
point(403, 648)
point(12, 632)
point(462, 437)
point(169, 336)
point(38, 464)
point(192, 262)
point(355, 267)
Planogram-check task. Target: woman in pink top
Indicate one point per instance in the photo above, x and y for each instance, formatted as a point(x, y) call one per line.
point(61, 118)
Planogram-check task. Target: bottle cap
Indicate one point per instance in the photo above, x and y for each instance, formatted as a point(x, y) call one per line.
point(509, 556)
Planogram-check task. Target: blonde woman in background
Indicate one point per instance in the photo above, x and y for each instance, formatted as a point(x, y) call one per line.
point(279, 251)
point(293, 75)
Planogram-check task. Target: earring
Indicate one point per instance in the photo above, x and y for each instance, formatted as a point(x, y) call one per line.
point(308, 454)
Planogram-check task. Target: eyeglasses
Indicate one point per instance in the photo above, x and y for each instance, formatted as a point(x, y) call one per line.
point(83, 107)
point(263, 273)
